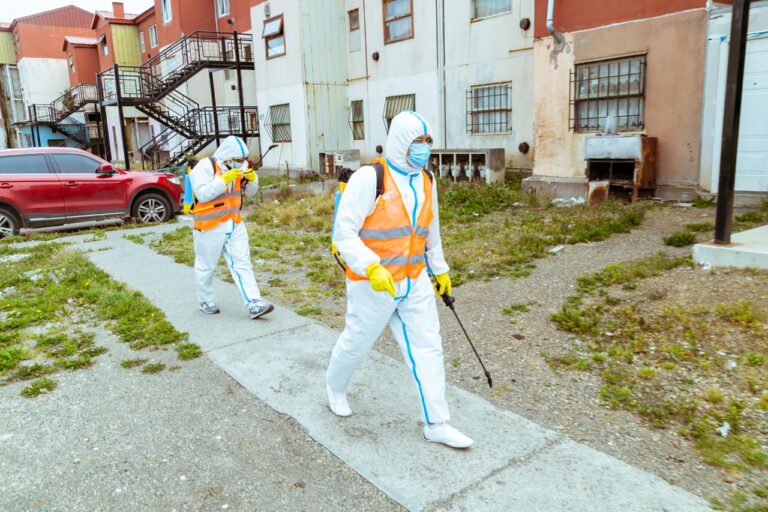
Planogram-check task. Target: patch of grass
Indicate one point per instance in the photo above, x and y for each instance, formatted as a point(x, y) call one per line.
point(137, 239)
point(714, 396)
point(742, 312)
point(38, 387)
point(310, 311)
point(700, 227)
point(132, 363)
point(700, 202)
point(680, 239)
point(752, 216)
point(521, 307)
point(153, 368)
point(177, 244)
point(188, 351)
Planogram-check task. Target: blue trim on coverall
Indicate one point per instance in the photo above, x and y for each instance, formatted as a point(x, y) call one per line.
point(413, 366)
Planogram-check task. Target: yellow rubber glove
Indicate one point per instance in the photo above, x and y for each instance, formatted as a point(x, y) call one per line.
point(187, 208)
point(380, 278)
point(443, 285)
point(232, 176)
point(249, 174)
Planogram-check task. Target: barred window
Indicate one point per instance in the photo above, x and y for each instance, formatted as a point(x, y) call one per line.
point(396, 104)
point(279, 123)
point(484, 8)
point(609, 88)
point(489, 109)
point(356, 120)
point(398, 20)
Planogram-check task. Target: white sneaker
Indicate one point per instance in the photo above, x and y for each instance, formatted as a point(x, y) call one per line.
point(338, 402)
point(447, 435)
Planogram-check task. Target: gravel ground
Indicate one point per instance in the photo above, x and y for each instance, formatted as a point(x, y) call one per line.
point(108, 438)
point(566, 401)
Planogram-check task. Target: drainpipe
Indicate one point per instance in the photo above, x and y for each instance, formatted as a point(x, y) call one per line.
point(551, 16)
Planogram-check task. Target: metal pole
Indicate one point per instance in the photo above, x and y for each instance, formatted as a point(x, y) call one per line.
point(240, 88)
point(213, 104)
point(122, 118)
point(103, 120)
point(35, 128)
point(731, 118)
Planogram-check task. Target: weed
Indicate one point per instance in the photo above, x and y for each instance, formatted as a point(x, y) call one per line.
point(647, 373)
point(714, 396)
point(137, 239)
point(755, 359)
point(749, 217)
point(153, 368)
point(742, 312)
point(700, 202)
point(680, 239)
point(132, 363)
point(188, 351)
point(522, 307)
point(700, 227)
point(38, 387)
point(617, 396)
point(310, 311)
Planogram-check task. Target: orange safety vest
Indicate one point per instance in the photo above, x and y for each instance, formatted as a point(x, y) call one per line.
point(226, 206)
point(388, 231)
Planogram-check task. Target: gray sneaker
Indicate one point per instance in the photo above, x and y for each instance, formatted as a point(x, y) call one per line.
point(259, 307)
point(209, 308)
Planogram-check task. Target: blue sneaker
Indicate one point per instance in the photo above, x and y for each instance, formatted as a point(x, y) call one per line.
point(209, 308)
point(259, 307)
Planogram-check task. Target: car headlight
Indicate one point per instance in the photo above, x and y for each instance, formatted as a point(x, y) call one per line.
point(175, 180)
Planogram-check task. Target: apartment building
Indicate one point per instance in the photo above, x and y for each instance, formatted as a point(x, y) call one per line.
point(332, 77)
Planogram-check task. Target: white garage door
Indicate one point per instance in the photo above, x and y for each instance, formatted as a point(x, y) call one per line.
point(752, 159)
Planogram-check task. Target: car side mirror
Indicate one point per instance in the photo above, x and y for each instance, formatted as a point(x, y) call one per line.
point(106, 169)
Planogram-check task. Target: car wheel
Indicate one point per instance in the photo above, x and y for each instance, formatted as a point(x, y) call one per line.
point(151, 208)
point(9, 223)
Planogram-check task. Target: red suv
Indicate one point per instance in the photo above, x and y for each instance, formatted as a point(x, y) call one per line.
point(53, 186)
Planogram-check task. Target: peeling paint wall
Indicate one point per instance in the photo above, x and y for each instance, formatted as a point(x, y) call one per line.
point(674, 45)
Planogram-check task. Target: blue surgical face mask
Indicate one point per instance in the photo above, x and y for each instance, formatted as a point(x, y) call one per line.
point(419, 155)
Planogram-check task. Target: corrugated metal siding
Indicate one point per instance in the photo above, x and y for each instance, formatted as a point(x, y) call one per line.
point(324, 33)
point(125, 42)
point(7, 51)
point(69, 16)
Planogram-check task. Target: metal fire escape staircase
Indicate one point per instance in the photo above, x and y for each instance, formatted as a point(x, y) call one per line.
point(152, 87)
point(59, 116)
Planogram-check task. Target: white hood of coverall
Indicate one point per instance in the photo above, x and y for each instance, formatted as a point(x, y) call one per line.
point(405, 127)
point(230, 148)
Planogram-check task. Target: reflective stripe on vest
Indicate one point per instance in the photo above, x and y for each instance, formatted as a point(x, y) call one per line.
point(389, 234)
point(222, 208)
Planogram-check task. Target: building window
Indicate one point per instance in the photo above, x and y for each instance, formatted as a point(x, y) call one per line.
point(71, 63)
point(279, 123)
point(166, 8)
point(104, 48)
point(485, 8)
point(222, 7)
point(229, 74)
point(141, 42)
point(398, 20)
point(356, 120)
point(14, 94)
point(354, 30)
point(153, 36)
point(609, 88)
point(396, 104)
point(274, 37)
point(489, 109)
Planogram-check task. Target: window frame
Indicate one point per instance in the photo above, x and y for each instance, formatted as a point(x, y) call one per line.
point(277, 35)
point(599, 98)
point(71, 62)
point(353, 122)
point(412, 106)
point(478, 18)
point(153, 42)
point(349, 19)
point(105, 48)
point(164, 12)
point(473, 112)
point(142, 42)
point(219, 12)
point(272, 125)
point(385, 21)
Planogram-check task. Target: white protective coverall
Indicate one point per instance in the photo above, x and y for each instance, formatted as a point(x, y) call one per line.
point(412, 314)
point(228, 236)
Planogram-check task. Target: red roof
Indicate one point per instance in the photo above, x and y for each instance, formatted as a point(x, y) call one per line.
point(79, 41)
point(67, 16)
point(110, 17)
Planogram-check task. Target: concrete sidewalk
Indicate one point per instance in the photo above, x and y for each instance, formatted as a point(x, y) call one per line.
point(515, 464)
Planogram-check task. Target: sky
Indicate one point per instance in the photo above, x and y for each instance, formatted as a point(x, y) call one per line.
point(12, 9)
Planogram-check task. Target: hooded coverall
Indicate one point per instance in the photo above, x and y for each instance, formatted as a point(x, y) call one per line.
point(412, 314)
point(229, 236)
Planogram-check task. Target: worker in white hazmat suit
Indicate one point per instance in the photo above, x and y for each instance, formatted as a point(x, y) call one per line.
point(216, 183)
point(389, 243)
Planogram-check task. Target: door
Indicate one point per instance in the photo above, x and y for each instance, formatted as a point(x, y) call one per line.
point(89, 195)
point(752, 157)
point(27, 183)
